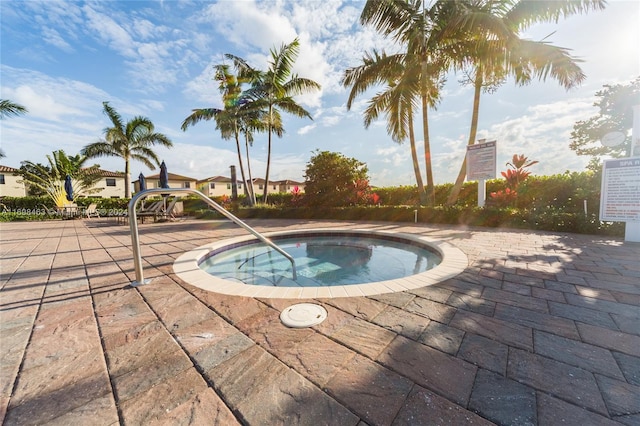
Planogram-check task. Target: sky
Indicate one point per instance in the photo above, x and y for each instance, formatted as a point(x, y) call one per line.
point(62, 60)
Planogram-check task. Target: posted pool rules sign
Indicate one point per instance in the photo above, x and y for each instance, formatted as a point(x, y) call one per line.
point(620, 194)
point(481, 161)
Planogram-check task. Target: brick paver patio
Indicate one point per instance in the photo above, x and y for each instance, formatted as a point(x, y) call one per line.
point(540, 329)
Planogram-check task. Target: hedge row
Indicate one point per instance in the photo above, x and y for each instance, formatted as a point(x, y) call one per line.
point(552, 203)
point(547, 219)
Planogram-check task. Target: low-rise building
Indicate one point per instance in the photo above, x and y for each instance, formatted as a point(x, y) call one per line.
point(11, 184)
point(175, 181)
point(216, 186)
point(288, 185)
point(259, 184)
point(110, 185)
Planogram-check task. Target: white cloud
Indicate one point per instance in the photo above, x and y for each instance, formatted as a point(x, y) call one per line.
point(396, 155)
point(543, 134)
point(145, 29)
point(52, 37)
point(107, 29)
point(60, 100)
point(204, 89)
point(249, 24)
point(306, 129)
point(331, 120)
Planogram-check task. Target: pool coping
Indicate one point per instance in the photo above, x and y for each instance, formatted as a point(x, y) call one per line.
point(454, 261)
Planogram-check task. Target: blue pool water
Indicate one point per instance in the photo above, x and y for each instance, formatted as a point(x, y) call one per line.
point(322, 261)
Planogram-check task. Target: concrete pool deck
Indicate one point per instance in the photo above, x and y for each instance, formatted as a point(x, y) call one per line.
point(540, 328)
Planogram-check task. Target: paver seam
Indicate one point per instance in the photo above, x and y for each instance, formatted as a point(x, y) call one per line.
point(16, 378)
point(234, 409)
point(595, 419)
point(315, 331)
point(7, 279)
point(102, 341)
point(194, 364)
point(607, 403)
point(399, 372)
point(557, 395)
point(613, 351)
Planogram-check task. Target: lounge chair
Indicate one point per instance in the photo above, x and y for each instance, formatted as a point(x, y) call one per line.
point(92, 211)
point(150, 211)
point(173, 209)
point(69, 211)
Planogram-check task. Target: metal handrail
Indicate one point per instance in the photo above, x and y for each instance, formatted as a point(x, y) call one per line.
point(135, 240)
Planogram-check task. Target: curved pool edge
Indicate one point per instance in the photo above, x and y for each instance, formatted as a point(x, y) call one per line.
point(186, 267)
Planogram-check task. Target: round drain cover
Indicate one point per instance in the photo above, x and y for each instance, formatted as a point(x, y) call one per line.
point(303, 315)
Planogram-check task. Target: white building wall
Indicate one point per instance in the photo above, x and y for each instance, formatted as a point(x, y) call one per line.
point(107, 191)
point(219, 189)
point(11, 186)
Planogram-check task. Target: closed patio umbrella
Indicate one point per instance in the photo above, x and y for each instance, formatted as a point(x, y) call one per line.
point(164, 182)
point(143, 187)
point(68, 188)
point(142, 182)
point(164, 176)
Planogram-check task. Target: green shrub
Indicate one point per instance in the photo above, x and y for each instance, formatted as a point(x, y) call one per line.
point(26, 215)
point(27, 203)
point(547, 220)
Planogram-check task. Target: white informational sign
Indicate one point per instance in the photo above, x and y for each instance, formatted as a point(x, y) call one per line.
point(620, 194)
point(481, 161)
point(635, 135)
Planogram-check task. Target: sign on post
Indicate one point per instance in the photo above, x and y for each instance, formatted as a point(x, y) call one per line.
point(620, 192)
point(481, 165)
point(481, 161)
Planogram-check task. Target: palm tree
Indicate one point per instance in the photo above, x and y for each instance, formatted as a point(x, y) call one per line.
point(491, 60)
point(131, 141)
point(273, 90)
point(428, 35)
point(50, 178)
point(397, 102)
point(8, 109)
point(233, 119)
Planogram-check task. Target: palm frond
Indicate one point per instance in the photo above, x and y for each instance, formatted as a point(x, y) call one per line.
point(8, 109)
point(198, 115)
point(524, 13)
point(289, 105)
point(543, 60)
point(113, 115)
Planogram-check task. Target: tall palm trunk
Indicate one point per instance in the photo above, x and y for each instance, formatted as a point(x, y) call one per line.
point(455, 191)
point(127, 179)
point(431, 196)
point(252, 194)
point(416, 165)
point(240, 158)
point(266, 179)
point(430, 193)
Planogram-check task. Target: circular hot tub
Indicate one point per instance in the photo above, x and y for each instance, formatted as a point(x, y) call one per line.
point(328, 263)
